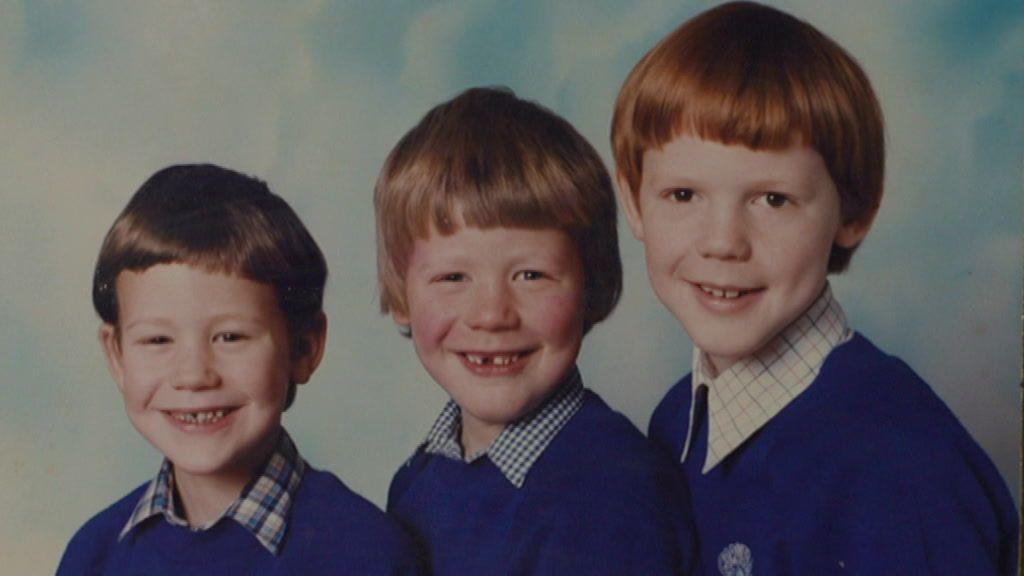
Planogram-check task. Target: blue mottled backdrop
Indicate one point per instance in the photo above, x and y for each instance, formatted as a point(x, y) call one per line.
point(310, 95)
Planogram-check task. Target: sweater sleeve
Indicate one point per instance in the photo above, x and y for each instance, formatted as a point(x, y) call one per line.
point(926, 511)
point(634, 535)
point(671, 420)
point(616, 506)
point(90, 547)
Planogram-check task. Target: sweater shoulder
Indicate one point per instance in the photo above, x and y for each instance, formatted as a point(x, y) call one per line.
point(883, 398)
point(600, 432)
point(325, 501)
point(336, 526)
point(89, 548)
point(876, 432)
point(601, 452)
point(604, 490)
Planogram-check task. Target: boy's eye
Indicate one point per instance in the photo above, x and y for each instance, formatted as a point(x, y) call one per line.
point(154, 340)
point(229, 337)
point(451, 277)
point(776, 200)
point(528, 275)
point(681, 194)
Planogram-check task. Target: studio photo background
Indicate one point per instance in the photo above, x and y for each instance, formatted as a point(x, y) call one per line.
point(311, 96)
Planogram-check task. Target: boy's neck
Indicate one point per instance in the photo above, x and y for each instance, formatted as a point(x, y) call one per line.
point(477, 435)
point(205, 497)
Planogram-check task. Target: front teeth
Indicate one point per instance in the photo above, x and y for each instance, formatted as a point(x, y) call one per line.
point(199, 417)
point(727, 294)
point(499, 360)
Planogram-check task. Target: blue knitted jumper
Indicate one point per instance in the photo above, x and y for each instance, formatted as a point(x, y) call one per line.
point(331, 531)
point(599, 500)
point(866, 472)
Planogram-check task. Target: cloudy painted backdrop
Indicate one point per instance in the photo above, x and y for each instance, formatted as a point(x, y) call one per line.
point(96, 96)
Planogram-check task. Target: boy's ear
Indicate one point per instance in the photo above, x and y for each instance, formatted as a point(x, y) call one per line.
point(851, 234)
point(306, 363)
point(400, 318)
point(630, 207)
point(111, 344)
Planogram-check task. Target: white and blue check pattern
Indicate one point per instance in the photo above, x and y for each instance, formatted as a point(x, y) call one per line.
point(521, 443)
point(262, 508)
point(748, 394)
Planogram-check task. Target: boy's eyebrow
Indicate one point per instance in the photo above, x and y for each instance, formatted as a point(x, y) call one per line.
point(772, 182)
point(518, 257)
point(674, 181)
point(683, 181)
point(163, 322)
point(238, 317)
point(431, 264)
point(156, 322)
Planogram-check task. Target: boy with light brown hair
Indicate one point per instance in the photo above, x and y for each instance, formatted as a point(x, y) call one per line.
point(497, 252)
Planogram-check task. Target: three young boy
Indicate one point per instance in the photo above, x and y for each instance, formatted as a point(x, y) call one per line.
point(750, 157)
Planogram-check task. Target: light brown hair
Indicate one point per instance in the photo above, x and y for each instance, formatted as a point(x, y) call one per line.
point(496, 160)
point(750, 75)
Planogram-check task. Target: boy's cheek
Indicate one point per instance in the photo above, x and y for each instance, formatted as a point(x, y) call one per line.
point(429, 327)
point(561, 316)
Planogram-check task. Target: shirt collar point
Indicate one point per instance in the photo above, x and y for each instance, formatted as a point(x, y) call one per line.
point(823, 324)
point(271, 494)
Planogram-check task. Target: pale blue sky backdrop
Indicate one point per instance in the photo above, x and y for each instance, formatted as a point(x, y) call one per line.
point(311, 95)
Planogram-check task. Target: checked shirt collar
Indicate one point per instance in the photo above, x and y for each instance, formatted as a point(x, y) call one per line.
point(521, 443)
point(262, 508)
point(748, 394)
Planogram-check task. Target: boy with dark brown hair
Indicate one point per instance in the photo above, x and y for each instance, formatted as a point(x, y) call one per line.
point(210, 290)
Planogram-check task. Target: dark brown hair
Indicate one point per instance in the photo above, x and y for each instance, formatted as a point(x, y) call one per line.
point(221, 221)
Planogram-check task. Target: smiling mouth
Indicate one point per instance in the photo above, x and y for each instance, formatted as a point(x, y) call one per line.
point(200, 417)
point(494, 362)
point(492, 359)
point(725, 293)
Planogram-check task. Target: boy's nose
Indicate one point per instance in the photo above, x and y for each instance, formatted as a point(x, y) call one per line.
point(724, 236)
point(194, 368)
point(492, 308)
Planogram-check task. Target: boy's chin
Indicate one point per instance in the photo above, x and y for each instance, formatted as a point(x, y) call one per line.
point(723, 352)
point(218, 470)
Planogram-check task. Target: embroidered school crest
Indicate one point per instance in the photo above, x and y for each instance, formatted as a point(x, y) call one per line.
point(736, 560)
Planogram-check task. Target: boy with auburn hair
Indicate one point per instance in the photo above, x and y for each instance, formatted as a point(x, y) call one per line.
point(750, 158)
point(210, 290)
point(497, 252)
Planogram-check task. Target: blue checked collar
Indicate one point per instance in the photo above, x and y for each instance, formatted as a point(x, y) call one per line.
point(521, 443)
point(262, 508)
point(748, 394)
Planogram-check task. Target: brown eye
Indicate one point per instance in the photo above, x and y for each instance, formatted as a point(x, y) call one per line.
point(530, 275)
point(681, 194)
point(776, 200)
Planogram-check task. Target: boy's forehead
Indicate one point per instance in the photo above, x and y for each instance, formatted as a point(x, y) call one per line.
point(494, 244)
point(694, 157)
point(467, 236)
point(176, 287)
